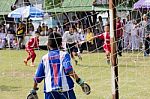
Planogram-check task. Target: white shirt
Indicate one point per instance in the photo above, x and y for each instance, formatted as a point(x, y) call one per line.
point(70, 38)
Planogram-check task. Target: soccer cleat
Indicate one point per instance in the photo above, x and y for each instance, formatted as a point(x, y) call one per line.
point(25, 62)
point(76, 62)
point(80, 58)
point(32, 65)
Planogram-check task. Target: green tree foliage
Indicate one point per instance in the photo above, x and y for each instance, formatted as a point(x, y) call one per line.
point(132, 2)
point(129, 3)
point(52, 3)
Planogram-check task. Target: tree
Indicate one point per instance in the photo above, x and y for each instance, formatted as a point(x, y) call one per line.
point(52, 4)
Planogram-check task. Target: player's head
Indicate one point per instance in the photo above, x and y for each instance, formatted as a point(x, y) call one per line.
point(71, 31)
point(37, 34)
point(107, 28)
point(54, 40)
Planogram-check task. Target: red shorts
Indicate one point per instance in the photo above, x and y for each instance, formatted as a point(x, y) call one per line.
point(107, 48)
point(29, 50)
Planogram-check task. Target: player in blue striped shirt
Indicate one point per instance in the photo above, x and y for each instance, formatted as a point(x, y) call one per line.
point(56, 70)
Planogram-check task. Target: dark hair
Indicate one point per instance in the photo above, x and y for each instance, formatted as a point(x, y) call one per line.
point(107, 24)
point(37, 33)
point(54, 40)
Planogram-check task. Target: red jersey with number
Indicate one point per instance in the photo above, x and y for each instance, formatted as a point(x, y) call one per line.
point(106, 37)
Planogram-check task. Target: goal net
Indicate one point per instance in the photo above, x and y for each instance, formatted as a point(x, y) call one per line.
point(88, 21)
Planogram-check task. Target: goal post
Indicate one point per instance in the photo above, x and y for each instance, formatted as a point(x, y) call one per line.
point(114, 67)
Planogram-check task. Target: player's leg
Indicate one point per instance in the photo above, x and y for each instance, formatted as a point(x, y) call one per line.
point(33, 56)
point(73, 54)
point(70, 48)
point(107, 50)
point(68, 95)
point(28, 57)
point(77, 52)
point(108, 56)
point(52, 95)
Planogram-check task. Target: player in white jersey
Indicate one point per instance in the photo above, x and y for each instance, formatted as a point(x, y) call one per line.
point(71, 40)
point(56, 70)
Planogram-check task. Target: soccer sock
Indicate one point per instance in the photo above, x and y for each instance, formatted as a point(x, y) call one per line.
point(29, 57)
point(33, 57)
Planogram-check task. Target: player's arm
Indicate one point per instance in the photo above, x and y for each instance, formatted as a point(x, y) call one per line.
point(69, 70)
point(39, 76)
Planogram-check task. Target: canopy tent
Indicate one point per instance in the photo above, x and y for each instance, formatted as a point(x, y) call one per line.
point(27, 11)
point(142, 4)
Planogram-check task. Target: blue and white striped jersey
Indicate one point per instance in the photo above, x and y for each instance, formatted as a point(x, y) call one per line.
point(54, 68)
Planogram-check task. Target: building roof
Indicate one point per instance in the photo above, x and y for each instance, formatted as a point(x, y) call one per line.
point(83, 5)
point(77, 3)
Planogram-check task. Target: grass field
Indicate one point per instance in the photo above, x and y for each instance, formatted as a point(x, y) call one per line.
point(16, 79)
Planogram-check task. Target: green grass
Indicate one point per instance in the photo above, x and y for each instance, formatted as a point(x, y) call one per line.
point(16, 79)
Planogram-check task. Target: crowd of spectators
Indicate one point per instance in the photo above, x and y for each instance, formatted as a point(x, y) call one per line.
point(131, 35)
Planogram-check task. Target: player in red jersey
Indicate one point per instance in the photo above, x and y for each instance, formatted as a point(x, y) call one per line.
point(106, 46)
point(29, 47)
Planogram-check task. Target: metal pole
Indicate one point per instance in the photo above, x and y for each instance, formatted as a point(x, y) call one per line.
point(114, 67)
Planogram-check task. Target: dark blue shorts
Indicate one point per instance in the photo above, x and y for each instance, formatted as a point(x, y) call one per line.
point(60, 95)
point(72, 48)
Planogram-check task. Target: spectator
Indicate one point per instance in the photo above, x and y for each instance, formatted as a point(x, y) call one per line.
point(89, 38)
point(82, 43)
point(60, 29)
point(2, 39)
point(44, 30)
point(99, 25)
point(135, 36)
point(127, 33)
point(50, 30)
point(146, 34)
point(10, 37)
point(74, 21)
point(39, 29)
point(55, 29)
point(20, 34)
point(30, 27)
point(15, 43)
point(119, 34)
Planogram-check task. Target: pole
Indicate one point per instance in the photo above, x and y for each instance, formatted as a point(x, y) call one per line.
point(114, 67)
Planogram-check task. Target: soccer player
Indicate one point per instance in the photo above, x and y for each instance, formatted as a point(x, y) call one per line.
point(71, 40)
point(106, 46)
point(56, 70)
point(29, 47)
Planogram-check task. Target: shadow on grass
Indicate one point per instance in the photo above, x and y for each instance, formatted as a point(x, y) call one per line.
point(108, 66)
point(84, 65)
point(8, 88)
